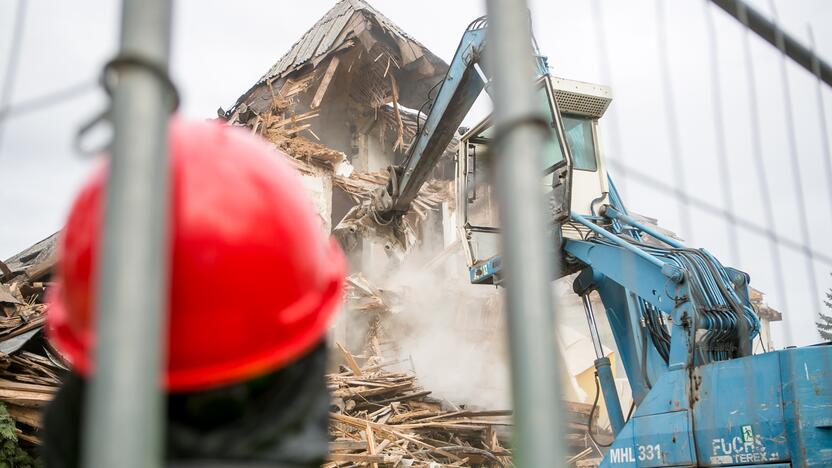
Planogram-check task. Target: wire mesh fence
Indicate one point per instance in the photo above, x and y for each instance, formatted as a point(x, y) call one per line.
point(766, 215)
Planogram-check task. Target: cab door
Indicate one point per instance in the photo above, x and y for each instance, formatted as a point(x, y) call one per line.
point(556, 159)
point(478, 219)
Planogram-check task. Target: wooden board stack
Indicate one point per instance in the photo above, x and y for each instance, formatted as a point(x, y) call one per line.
point(29, 368)
point(383, 418)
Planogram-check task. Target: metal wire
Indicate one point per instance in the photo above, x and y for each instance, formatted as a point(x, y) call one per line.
point(727, 206)
point(794, 157)
point(47, 100)
point(719, 134)
point(676, 160)
point(760, 165)
point(12, 62)
point(647, 180)
point(611, 119)
point(824, 135)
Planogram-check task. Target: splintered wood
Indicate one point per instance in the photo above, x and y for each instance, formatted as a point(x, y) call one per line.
point(383, 418)
point(30, 370)
point(303, 149)
point(382, 415)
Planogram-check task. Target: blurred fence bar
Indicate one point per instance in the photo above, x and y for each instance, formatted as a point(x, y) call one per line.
point(538, 439)
point(769, 32)
point(124, 407)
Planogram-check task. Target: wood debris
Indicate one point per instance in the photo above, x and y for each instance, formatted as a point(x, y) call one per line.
point(361, 295)
point(382, 416)
point(30, 368)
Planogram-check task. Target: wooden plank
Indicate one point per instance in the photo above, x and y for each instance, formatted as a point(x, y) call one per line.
point(293, 119)
point(30, 416)
point(28, 438)
point(350, 360)
point(365, 393)
point(357, 422)
point(24, 398)
point(408, 396)
point(324, 85)
point(346, 445)
point(394, 89)
point(377, 392)
point(367, 383)
point(39, 270)
point(11, 385)
point(292, 131)
point(34, 323)
point(371, 443)
point(357, 458)
point(400, 418)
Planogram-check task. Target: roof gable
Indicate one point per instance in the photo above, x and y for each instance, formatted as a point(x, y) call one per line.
point(328, 33)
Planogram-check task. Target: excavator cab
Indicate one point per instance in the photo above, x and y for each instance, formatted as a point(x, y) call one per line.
point(573, 175)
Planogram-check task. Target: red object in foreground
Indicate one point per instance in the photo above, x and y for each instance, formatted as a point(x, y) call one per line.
point(253, 281)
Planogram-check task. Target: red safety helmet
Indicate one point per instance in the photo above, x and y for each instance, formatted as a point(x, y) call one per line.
point(254, 280)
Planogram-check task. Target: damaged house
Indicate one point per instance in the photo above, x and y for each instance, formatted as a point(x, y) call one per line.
point(341, 101)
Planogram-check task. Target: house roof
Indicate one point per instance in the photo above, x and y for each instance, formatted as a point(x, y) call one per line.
point(324, 35)
point(35, 260)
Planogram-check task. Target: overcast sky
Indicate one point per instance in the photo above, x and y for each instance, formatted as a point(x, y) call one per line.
point(220, 48)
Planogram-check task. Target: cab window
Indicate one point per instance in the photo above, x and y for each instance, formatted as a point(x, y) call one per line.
point(581, 144)
point(553, 154)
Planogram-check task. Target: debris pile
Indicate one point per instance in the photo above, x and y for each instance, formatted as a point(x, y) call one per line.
point(29, 368)
point(383, 414)
point(383, 417)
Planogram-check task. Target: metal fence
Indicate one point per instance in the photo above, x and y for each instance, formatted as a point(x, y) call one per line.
point(769, 220)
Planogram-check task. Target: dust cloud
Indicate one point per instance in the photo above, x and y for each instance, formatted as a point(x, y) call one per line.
point(452, 335)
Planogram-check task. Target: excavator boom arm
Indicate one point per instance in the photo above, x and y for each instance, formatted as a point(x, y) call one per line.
point(457, 93)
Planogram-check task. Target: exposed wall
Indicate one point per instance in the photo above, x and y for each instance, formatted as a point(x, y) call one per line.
point(319, 189)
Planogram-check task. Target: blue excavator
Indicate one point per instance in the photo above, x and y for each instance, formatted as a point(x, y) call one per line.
point(682, 321)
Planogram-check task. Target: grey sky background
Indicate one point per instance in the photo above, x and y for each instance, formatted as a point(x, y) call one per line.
point(220, 48)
